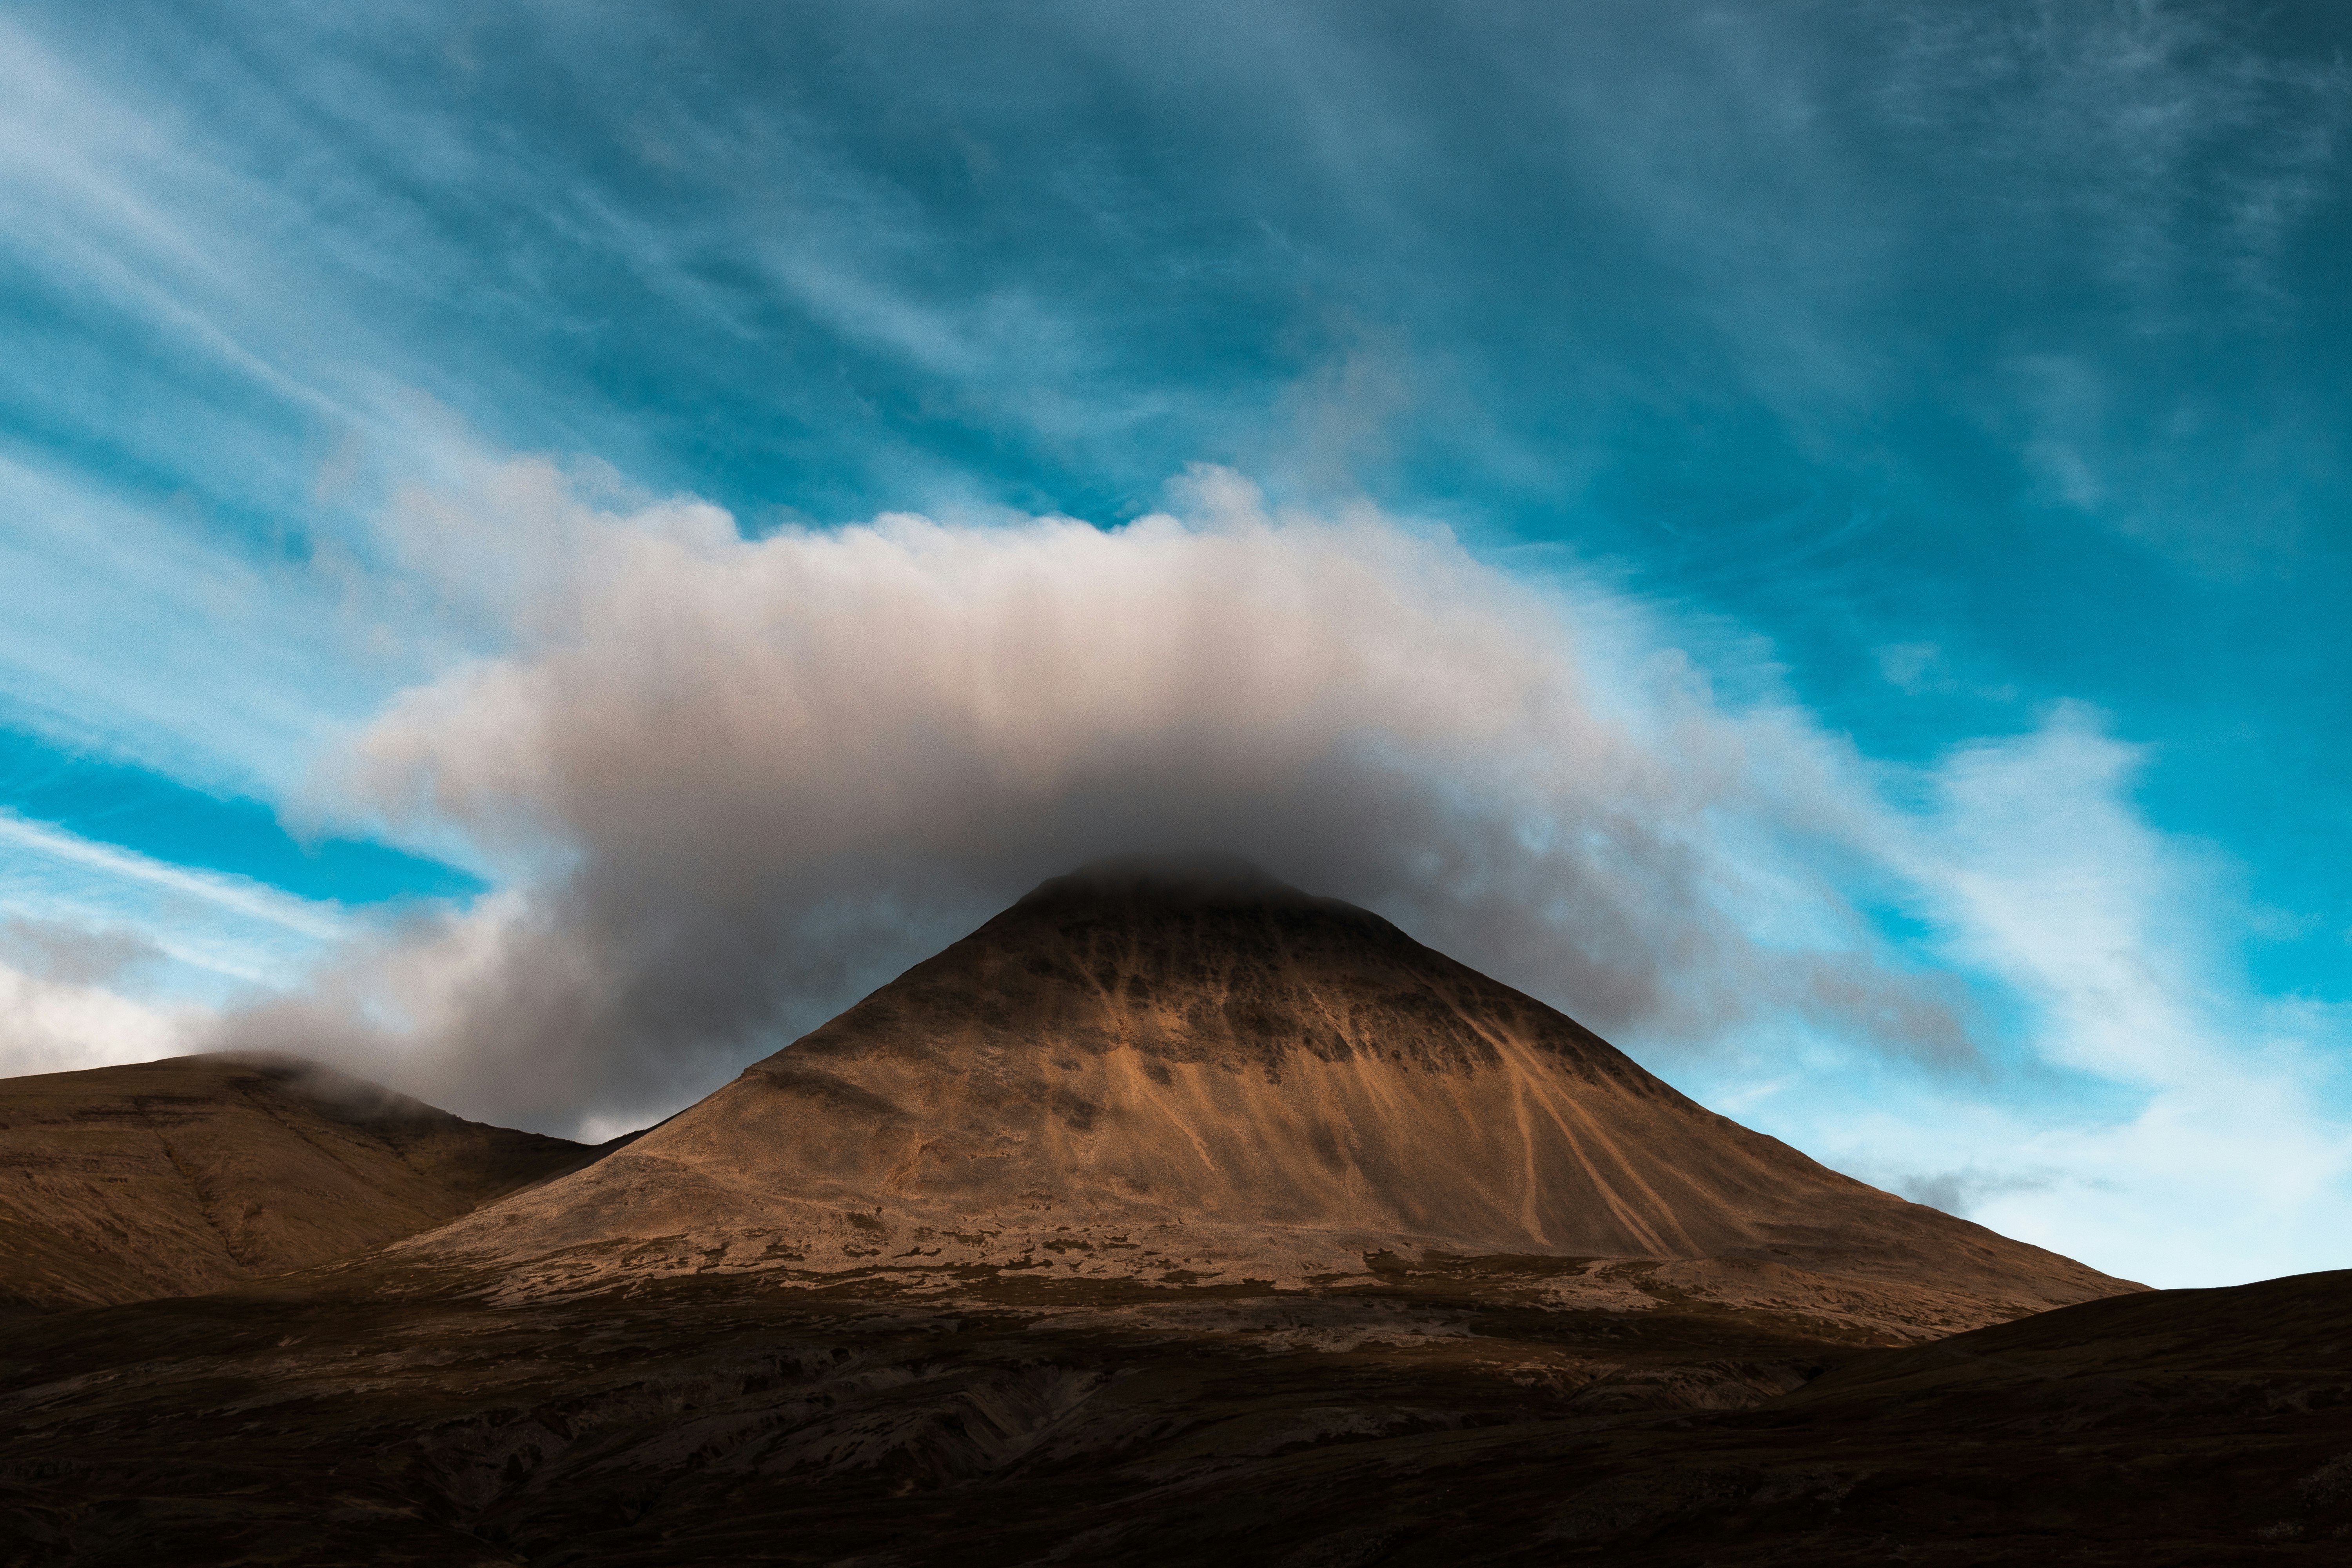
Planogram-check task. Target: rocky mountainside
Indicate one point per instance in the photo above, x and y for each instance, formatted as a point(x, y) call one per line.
point(176, 1177)
point(1189, 1073)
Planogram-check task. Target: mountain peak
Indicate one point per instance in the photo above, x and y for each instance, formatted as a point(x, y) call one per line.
point(1199, 876)
point(1176, 1069)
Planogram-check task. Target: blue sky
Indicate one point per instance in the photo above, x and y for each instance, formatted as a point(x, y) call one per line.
point(1956, 389)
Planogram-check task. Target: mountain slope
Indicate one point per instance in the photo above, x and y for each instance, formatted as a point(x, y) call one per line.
point(173, 1177)
point(1190, 1072)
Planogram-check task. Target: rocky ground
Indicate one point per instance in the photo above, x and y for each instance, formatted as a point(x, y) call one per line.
point(369, 1417)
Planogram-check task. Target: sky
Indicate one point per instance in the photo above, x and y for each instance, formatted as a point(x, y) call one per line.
point(546, 548)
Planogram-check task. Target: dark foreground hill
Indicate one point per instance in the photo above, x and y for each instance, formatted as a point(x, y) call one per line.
point(1411, 1422)
point(1186, 1072)
point(176, 1177)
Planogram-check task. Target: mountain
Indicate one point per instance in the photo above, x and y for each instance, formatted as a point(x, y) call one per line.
point(1174, 1218)
point(1189, 1073)
point(196, 1173)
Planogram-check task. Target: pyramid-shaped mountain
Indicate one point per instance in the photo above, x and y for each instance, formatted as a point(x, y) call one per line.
point(1186, 1072)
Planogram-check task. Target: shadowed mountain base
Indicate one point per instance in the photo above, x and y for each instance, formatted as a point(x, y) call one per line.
point(709, 1421)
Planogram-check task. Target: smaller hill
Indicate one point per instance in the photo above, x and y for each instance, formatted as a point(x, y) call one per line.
point(190, 1174)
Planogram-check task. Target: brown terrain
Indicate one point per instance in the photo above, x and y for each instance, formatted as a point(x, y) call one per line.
point(175, 1177)
point(1173, 1217)
point(1202, 1075)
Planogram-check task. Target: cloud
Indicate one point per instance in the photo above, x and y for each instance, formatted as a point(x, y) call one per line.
point(1960, 1192)
point(2161, 1116)
point(728, 783)
point(51, 1024)
point(109, 956)
point(73, 954)
point(208, 935)
point(233, 895)
point(1914, 667)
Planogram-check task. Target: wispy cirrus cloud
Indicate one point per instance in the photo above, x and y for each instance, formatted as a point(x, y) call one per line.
point(224, 934)
point(110, 956)
point(2186, 1125)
